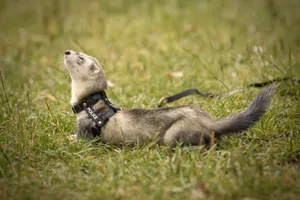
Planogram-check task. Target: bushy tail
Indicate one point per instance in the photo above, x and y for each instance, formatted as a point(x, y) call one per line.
point(242, 121)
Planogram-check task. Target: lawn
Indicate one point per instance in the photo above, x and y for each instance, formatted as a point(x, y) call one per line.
point(149, 50)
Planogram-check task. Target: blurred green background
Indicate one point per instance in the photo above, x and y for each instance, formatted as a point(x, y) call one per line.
point(233, 41)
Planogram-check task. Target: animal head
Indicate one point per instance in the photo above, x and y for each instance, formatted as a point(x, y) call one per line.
point(86, 73)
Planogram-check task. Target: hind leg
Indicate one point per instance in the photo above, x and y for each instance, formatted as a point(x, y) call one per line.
point(187, 134)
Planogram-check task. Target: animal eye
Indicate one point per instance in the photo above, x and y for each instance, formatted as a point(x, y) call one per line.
point(80, 60)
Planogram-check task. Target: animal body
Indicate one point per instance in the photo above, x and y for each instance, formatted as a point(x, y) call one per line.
point(167, 126)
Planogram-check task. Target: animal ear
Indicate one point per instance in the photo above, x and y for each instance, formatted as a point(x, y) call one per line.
point(96, 61)
point(94, 68)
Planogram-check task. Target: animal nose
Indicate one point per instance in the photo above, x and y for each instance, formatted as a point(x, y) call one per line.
point(67, 52)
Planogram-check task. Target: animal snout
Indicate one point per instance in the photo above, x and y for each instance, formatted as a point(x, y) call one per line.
point(67, 52)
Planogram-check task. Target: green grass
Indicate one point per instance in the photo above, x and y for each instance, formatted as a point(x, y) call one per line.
point(218, 45)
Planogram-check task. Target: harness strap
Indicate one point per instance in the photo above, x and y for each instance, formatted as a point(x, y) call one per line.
point(185, 93)
point(87, 104)
point(99, 120)
point(91, 100)
point(188, 92)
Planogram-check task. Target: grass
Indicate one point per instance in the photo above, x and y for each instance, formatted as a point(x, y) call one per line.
point(218, 45)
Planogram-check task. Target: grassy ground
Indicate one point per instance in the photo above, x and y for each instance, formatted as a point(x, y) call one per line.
point(217, 45)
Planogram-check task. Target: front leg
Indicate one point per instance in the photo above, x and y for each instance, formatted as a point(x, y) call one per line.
point(86, 129)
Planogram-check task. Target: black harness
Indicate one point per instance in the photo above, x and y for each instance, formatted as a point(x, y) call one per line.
point(87, 104)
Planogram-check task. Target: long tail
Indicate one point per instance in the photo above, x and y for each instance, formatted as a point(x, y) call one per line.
point(242, 121)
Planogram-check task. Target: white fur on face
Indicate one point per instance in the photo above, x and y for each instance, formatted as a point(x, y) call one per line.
point(81, 66)
point(86, 73)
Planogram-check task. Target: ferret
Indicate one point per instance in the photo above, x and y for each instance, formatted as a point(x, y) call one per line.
point(187, 125)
